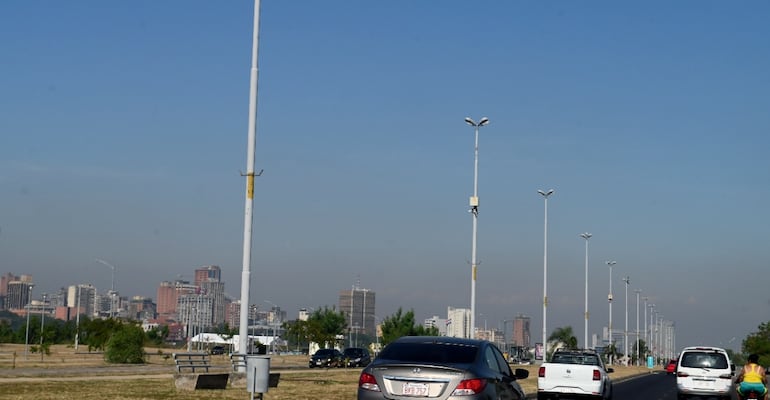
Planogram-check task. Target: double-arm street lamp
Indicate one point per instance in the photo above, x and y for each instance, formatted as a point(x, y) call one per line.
point(586, 236)
point(545, 195)
point(474, 204)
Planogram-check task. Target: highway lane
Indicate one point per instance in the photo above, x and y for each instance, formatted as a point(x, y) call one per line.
point(657, 386)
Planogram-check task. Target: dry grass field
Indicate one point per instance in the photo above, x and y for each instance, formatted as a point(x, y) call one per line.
point(66, 375)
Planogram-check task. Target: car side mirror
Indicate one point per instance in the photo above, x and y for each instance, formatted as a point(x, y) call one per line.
point(610, 369)
point(521, 373)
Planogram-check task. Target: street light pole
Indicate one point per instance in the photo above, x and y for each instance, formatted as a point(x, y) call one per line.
point(112, 290)
point(609, 300)
point(625, 328)
point(275, 309)
point(651, 346)
point(645, 298)
point(638, 349)
point(474, 204)
point(29, 303)
point(545, 195)
point(42, 326)
point(586, 236)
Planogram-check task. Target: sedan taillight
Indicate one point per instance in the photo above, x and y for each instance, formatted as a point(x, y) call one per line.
point(470, 387)
point(368, 382)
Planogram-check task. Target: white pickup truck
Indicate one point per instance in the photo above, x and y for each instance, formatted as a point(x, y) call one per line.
point(573, 374)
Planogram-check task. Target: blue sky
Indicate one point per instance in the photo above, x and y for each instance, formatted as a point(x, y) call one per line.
point(123, 136)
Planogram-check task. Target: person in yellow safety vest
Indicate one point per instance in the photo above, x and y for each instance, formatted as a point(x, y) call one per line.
point(752, 378)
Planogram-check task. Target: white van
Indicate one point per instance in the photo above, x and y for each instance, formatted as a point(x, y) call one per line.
point(704, 371)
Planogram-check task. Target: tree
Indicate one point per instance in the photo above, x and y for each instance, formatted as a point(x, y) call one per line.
point(324, 325)
point(125, 345)
point(297, 333)
point(157, 336)
point(759, 343)
point(95, 333)
point(564, 337)
point(403, 324)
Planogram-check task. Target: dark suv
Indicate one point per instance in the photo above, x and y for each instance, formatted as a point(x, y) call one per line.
point(356, 357)
point(327, 358)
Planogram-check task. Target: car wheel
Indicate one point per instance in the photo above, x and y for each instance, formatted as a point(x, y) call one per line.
point(541, 396)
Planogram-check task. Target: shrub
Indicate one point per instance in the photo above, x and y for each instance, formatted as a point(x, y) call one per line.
point(125, 346)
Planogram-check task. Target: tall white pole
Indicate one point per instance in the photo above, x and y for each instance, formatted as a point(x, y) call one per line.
point(647, 344)
point(586, 236)
point(625, 328)
point(29, 303)
point(42, 326)
point(609, 300)
point(545, 270)
point(474, 204)
point(638, 350)
point(652, 329)
point(112, 288)
point(248, 220)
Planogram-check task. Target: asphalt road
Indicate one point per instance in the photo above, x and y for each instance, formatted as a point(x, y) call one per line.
point(657, 386)
point(648, 387)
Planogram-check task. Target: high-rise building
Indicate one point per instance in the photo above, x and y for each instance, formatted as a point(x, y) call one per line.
point(141, 308)
point(166, 301)
point(18, 294)
point(208, 273)
point(195, 312)
point(168, 294)
point(4, 280)
point(209, 281)
point(82, 299)
point(435, 322)
point(521, 335)
point(358, 306)
point(458, 322)
point(215, 290)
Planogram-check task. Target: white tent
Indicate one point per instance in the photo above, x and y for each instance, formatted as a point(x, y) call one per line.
point(211, 339)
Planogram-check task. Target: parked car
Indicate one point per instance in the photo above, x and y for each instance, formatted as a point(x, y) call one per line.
point(329, 358)
point(218, 350)
point(671, 367)
point(356, 357)
point(704, 371)
point(440, 367)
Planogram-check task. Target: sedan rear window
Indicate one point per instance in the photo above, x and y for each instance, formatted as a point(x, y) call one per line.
point(442, 353)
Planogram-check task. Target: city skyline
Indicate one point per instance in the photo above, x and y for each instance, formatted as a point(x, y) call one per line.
point(124, 134)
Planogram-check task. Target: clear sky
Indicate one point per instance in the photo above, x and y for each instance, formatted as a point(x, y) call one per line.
point(123, 130)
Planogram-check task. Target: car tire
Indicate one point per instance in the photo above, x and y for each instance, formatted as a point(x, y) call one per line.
point(542, 396)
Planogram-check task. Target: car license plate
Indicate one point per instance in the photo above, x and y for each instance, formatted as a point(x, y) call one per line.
point(414, 389)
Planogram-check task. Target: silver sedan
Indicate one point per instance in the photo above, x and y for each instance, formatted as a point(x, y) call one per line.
point(438, 367)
